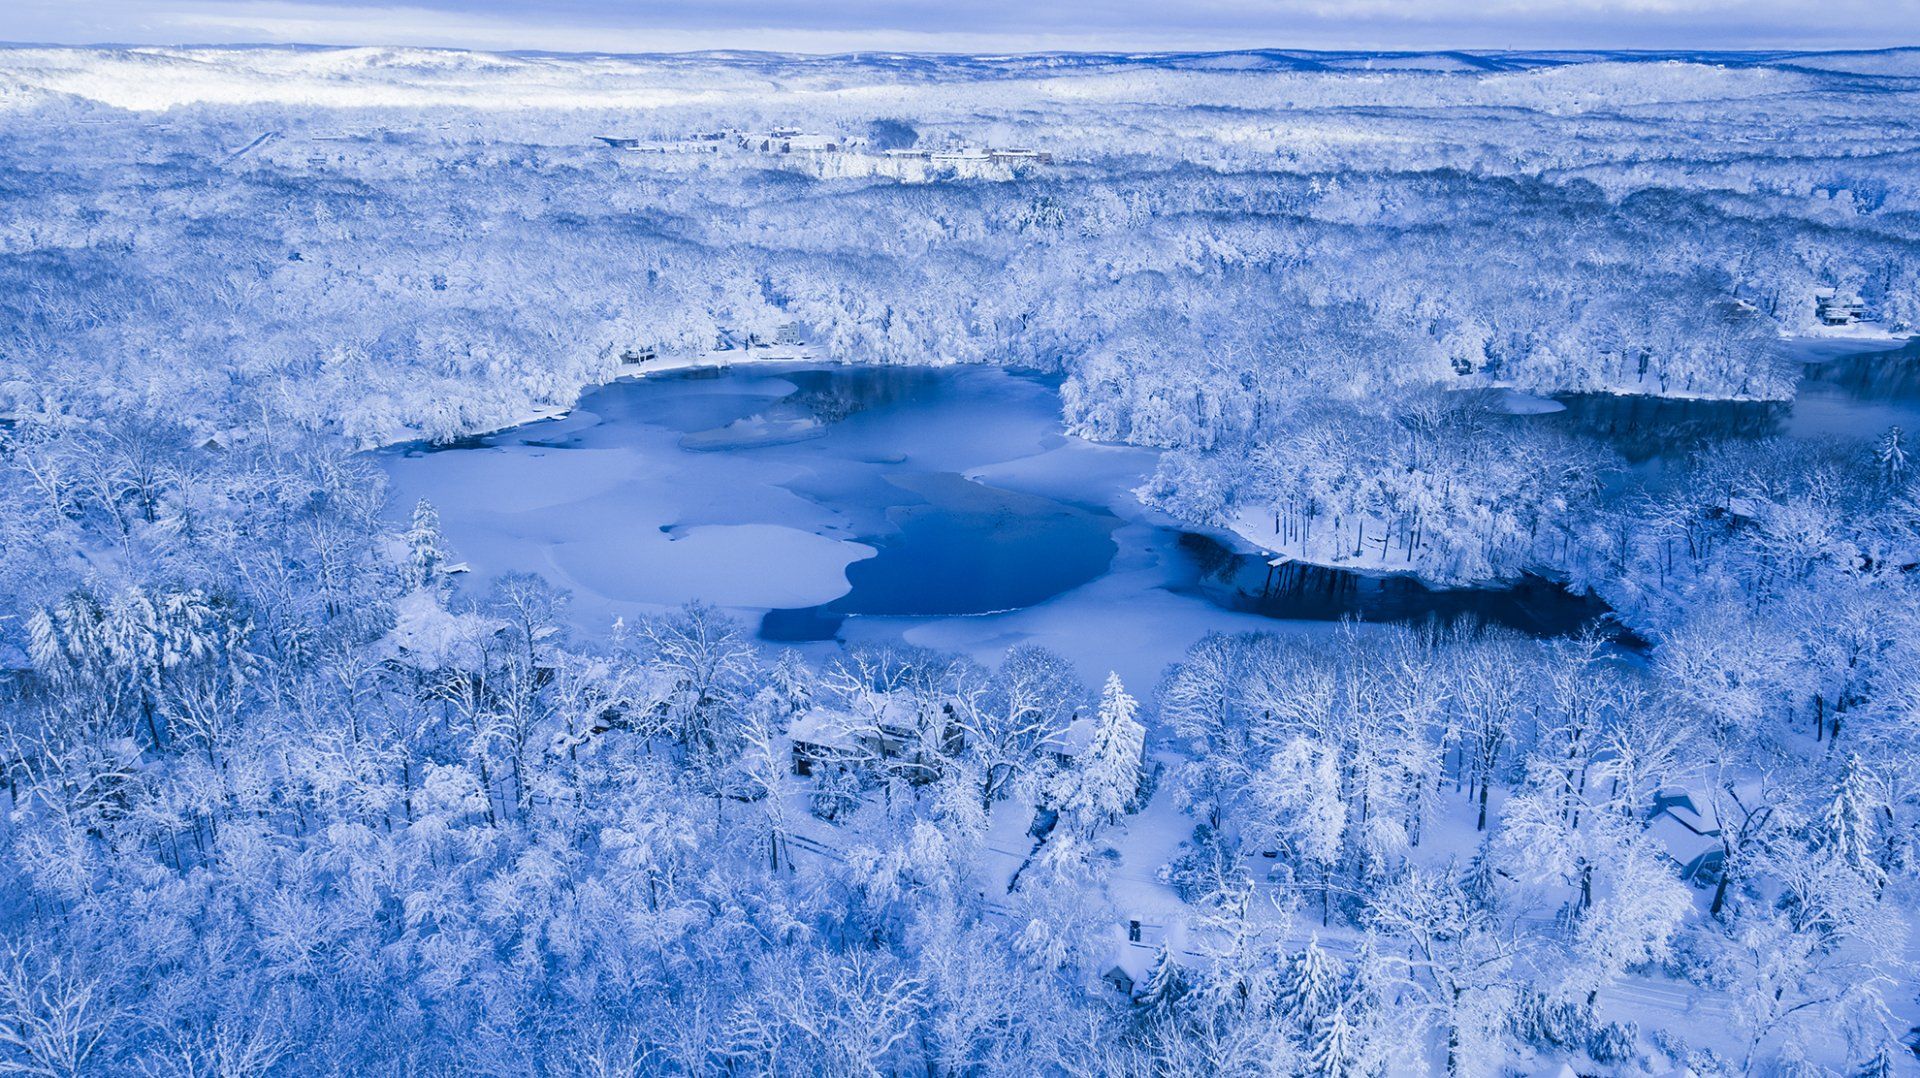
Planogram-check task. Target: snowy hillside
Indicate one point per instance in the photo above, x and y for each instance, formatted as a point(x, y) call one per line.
point(1583, 219)
point(303, 777)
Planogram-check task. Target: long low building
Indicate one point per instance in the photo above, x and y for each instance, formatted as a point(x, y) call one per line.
point(783, 141)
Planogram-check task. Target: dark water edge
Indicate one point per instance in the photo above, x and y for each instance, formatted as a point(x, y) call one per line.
point(1209, 570)
point(1849, 395)
point(885, 448)
point(1297, 591)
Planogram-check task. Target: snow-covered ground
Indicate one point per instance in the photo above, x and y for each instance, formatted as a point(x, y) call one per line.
point(639, 527)
point(310, 768)
point(635, 515)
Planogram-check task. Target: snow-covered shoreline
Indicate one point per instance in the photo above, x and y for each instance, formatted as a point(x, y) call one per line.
point(1842, 341)
point(862, 722)
point(670, 364)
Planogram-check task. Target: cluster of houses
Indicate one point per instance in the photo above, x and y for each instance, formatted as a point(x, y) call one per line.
point(785, 140)
point(787, 342)
point(794, 141)
point(973, 155)
point(779, 140)
point(701, 142)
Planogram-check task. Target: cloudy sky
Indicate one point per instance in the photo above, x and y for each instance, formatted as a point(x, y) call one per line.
point(976, 25)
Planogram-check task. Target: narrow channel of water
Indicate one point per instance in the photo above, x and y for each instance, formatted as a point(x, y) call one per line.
point(1850, 395)
point(1298, 591)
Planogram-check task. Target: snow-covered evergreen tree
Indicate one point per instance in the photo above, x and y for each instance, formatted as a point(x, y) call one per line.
point(1103, 782)
point(836, 793)
point(1331, 1049)
point(1848, 828)
point(792, 682)
point(1166, 983)
point(1879, 1065)
point(1891, 454)
point(1310, 988)
point(426, 547)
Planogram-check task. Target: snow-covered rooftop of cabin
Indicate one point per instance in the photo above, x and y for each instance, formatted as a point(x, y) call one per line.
point(427, 635)
point(826, 727)
point(1073, 739)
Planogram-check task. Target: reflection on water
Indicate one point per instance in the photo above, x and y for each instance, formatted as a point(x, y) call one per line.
point(1298, 591)
point(1641, 428)
point(1871, 376)
point(1644, 427)
point(1856, 395)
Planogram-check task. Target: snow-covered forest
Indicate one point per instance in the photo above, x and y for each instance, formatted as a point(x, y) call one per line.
point(287, 789)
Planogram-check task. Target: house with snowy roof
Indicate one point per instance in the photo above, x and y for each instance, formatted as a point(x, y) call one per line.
point(827, 735)
point(809, 143)
point(1130, 965)
point(15, 665)
point(1683, 822)
point(822, 736)
point(1127, 968)
point(224, 439)
point(434, 648)
point(1070, 742)
point(428, 637)
point(1838, 306)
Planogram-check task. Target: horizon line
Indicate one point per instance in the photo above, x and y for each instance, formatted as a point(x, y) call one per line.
point(1465, 50)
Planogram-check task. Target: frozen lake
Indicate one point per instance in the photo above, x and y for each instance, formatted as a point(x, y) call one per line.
point(943, 506)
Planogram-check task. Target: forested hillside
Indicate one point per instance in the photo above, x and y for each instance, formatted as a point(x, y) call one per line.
point(287, 790)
